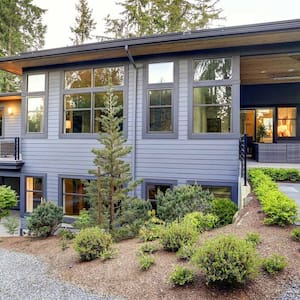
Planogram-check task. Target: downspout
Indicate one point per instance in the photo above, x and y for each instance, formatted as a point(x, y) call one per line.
point(134, 113)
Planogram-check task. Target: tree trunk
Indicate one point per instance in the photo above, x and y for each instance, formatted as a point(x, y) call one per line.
point(99, 196)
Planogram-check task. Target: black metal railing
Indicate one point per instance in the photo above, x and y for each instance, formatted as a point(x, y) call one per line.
point(10, 148)
point(243, 157)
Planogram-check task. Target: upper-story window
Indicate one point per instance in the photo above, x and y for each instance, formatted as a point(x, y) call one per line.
point(212, 96)
point(35, 103)
point(84, 95)
point(160, 98)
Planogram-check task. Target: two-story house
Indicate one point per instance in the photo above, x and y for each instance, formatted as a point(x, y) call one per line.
point(186, 97)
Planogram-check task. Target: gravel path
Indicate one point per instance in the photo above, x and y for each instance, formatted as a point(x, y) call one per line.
point(25, 277)
point(292, 293)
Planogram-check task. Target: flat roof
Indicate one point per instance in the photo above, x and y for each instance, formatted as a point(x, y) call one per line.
point(234, 36)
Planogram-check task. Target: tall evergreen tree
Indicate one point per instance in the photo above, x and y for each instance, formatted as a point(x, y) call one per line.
point(84, 23)
point(21, 29)
point(147, 17)
point(114, 181)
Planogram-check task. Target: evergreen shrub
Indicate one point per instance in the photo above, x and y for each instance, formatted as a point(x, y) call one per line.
point(91, 243)
point(8, 199)
point(176, 234)
point(227, 260)
point(225, 210)
point(44, 219)
point(186, 252)
point(200, 221)
point(184, 199)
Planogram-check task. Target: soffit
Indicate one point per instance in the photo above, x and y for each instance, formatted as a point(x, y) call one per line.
point(48, 59)
point(267, 69)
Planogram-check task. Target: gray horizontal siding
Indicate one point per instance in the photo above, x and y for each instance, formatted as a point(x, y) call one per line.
point(179, 159)
point(12, 123)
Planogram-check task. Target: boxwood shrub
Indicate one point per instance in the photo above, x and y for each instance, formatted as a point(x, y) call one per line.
point(227, 260)
point(91, 243)
point(177, 234)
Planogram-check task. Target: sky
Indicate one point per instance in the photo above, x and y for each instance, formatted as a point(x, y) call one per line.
point(60, 15)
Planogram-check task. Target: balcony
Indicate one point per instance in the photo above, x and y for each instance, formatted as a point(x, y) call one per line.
point(10, 154)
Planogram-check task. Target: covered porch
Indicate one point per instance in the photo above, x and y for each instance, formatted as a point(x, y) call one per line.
point(270, 107)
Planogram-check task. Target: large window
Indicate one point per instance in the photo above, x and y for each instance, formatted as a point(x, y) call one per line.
point(35, 105)
point(84, 96)
point(212, 96)
point(160, 94)
point(34, 192)
point(74, 197)
point(286, 124)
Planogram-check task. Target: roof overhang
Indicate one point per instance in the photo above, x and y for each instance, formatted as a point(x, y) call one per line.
point(10, 96)
point(228, 37)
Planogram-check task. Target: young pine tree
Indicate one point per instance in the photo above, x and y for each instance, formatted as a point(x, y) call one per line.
point(114, 180)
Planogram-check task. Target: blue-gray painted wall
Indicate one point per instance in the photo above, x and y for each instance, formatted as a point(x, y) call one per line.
point(179, 159)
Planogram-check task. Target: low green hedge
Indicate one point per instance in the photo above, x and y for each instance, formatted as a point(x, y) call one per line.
point(279, 208)
point(278, 174)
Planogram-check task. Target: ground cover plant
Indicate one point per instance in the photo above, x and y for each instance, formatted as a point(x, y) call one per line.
point(279, 208)
point(274, 264)
point(182, 276)
point(295, 234)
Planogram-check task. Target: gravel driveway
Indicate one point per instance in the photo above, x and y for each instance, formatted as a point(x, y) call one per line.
point(25, 277)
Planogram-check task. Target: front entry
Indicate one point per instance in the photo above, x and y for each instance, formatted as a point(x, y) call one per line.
point(14, 183)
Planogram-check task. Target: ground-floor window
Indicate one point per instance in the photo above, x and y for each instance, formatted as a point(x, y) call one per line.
point(219, 191)
point(152, 189)
point(34, 192)
point(74, 196)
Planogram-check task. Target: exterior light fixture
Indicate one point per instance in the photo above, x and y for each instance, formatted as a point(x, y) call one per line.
point(10, 111)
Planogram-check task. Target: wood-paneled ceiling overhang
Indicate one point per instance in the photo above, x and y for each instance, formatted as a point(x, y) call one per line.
point(238, 36)
point(10, 96)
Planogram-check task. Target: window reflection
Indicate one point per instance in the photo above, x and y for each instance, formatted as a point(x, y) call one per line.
point(161, 72)
point(264, 125)
point(35, 114)
point(212, 109)
point(34, 192)
point(212, 69)
point(78, 79)
point(152, 190)
point(36, 83)
point(74, 198)
point(286, 126)
point(103, 76)
point(160, 110)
